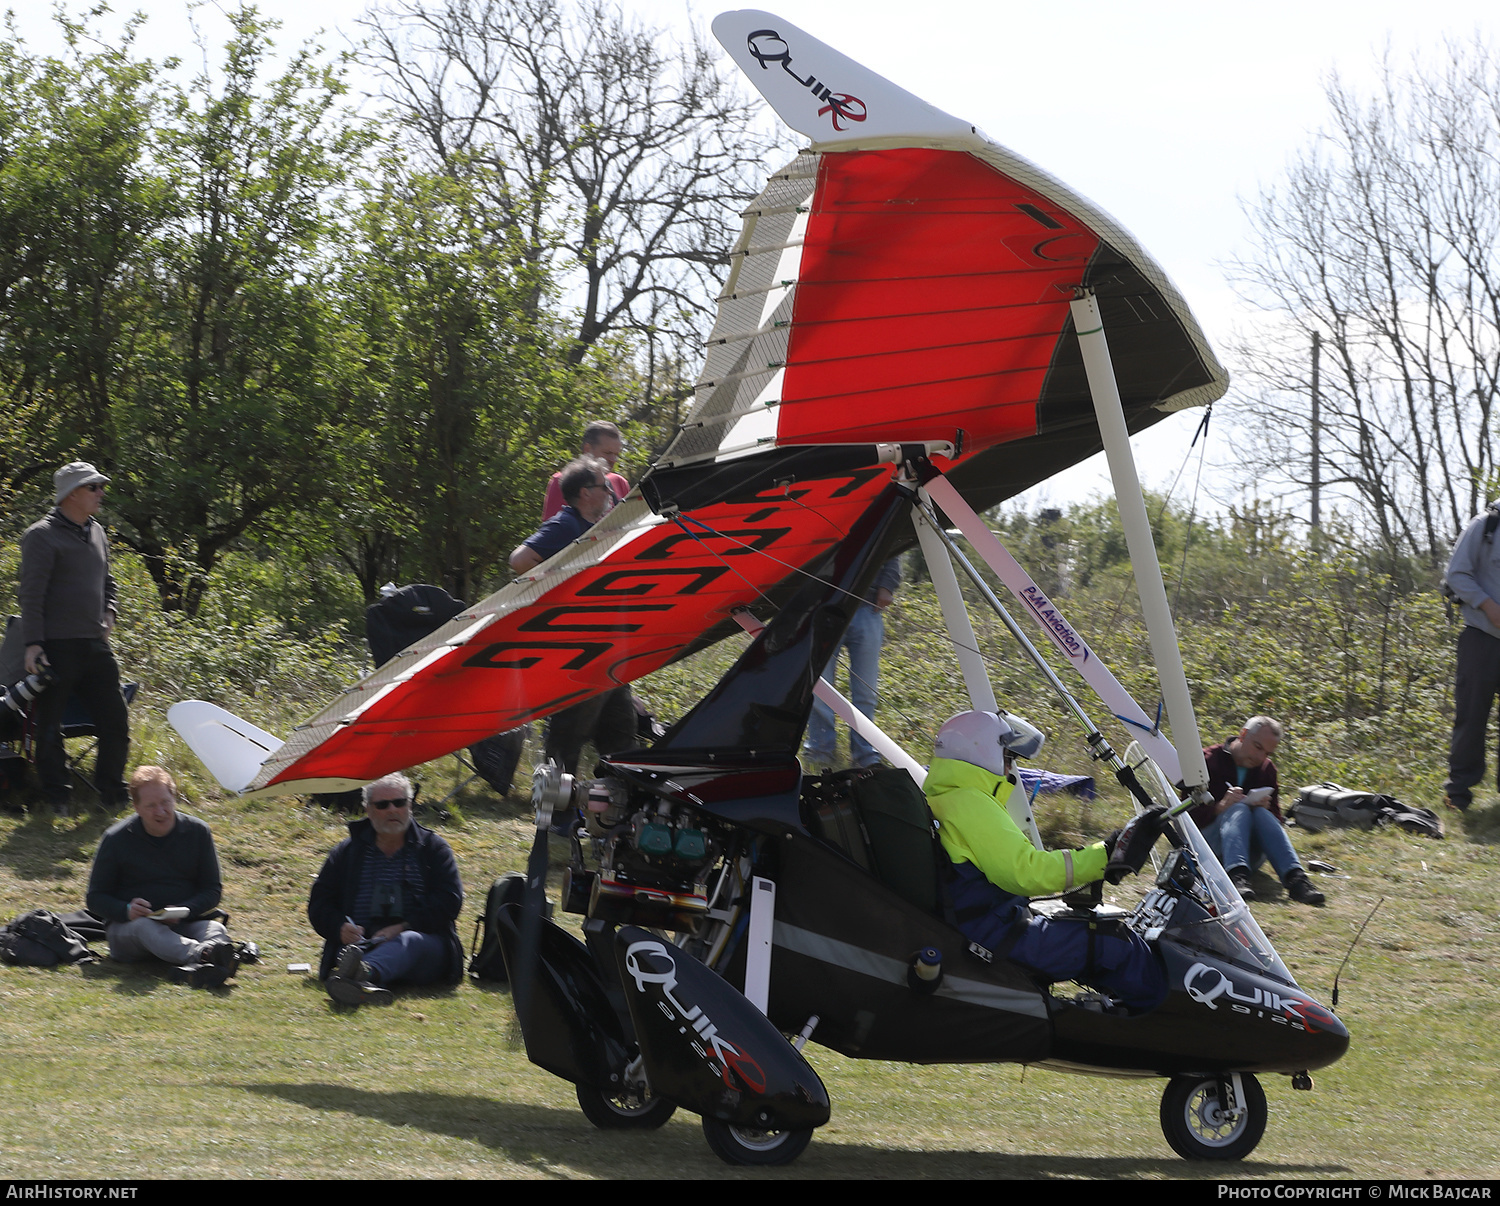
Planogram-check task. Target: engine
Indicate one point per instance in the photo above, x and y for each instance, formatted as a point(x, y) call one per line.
point(654, 854)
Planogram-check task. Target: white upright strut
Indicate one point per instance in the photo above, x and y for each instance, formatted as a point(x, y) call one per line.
point(1148, 580)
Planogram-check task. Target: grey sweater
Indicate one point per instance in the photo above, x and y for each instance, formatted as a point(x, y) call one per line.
point(181, 868)
point(1474, 573)
point(66, 591)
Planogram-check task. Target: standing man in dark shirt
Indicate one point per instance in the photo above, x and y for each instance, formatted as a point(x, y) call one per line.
point(609, 718)
point(386, 903)
point(1243, 826)
point(1474, 578)
point(67, 600)
point(156, 860)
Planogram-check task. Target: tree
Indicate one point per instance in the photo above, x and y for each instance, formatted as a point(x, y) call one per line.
point(616, 163)
point(232, 421)
point(468, 396)
point(1384, 239)
point(78, 210)
point(161, 256)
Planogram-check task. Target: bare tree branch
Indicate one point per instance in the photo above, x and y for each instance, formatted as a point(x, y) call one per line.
point(623, 159)
point(1385, 237)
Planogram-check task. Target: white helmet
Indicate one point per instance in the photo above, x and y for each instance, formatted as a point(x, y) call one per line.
point(982, 739)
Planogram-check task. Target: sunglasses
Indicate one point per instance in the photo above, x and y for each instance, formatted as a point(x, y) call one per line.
point(382, 805)
point(96, 487)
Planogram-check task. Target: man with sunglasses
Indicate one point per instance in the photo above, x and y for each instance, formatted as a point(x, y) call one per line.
point(609, 718)
point(386, 903)
point(587, 498)
point(68, 607)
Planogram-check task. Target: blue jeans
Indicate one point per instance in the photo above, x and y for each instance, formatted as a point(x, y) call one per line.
point(1245, 836)
point(863, 639)
point(408, 958)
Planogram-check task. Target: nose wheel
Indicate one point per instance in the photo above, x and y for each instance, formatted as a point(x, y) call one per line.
point(1209, 1118)
point(743, 1145)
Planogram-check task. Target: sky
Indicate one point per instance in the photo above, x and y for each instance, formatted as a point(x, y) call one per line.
point(1166, 114)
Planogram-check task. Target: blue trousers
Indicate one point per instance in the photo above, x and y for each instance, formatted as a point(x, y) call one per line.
point(1125, 967)
point(1245, 836)
point(408, 958)
point(862, 640)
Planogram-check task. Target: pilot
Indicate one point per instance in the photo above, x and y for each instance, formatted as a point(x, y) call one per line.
point(996, 868)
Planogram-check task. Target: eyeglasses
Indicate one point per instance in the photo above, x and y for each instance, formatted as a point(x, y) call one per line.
point(402, 802)
point(96, 487)
point(596, 486)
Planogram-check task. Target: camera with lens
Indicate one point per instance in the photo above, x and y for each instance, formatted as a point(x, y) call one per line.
point(17, 698)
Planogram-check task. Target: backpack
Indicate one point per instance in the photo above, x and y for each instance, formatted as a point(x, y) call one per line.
point(40, 939)
point(486, 960)
point(1322, 806)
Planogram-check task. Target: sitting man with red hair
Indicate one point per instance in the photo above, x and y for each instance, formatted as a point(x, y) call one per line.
point(154, 879)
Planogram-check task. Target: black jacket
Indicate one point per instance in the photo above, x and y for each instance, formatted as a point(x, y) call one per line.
point(337, 885)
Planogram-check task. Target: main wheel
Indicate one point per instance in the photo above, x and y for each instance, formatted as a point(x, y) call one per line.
point(744, 1145)
point(1198, 1129)
point(626, 1110)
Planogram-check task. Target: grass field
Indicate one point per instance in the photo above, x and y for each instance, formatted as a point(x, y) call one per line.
point(113, 1071)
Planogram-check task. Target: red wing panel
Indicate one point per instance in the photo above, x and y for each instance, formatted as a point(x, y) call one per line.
point(611, 623)
point(931, 296)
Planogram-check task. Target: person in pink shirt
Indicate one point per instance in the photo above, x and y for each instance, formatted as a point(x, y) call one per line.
point(601, 440)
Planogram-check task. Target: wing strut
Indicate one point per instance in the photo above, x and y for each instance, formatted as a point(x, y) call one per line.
point(966, 647)
point(1153, 592)
point(1064, 637)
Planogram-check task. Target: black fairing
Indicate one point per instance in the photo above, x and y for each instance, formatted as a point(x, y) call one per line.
point(1232, 1020)
point(843, 943)
point(570, 1027)
point(761, 705)
point(709, 1049)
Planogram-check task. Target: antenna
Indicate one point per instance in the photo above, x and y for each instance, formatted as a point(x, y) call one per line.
point(1335, 995)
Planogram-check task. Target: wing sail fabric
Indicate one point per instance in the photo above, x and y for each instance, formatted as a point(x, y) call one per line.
point(622, 601)
point(905, 280)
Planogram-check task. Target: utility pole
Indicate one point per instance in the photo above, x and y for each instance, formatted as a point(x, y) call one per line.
point(1317, 460)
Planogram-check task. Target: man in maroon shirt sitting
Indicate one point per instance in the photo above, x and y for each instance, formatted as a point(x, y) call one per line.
point(1243, 826)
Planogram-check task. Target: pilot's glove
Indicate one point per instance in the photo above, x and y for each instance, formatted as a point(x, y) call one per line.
point(1130, 846)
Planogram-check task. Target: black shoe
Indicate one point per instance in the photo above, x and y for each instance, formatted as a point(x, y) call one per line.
point(217, 961)
point(199, 975)
point(1240, 878)
point(191, 974)
point(356, 992)
point(1461, 803)
point(1301, 889)
point(350, 965)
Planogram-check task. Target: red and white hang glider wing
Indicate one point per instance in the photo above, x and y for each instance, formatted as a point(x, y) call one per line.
point(906, 280)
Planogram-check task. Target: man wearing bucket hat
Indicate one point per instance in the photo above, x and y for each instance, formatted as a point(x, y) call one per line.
point(996, 869)
point(67, 600)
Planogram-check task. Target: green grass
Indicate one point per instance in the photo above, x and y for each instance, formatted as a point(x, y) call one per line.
point(269, 1078)
point(114, 1071)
